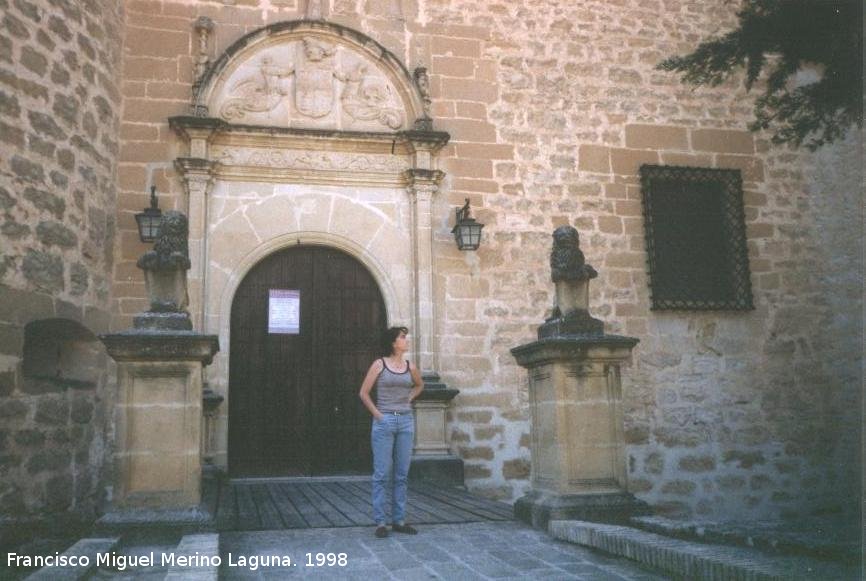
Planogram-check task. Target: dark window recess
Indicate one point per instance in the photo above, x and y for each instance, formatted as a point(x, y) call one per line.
point(696, 238)
point(60, 352)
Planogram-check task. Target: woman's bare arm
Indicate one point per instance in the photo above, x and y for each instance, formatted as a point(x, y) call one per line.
point(419, 383)
point(367, 385)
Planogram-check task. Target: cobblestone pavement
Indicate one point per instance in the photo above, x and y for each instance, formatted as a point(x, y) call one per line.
point(491, 550)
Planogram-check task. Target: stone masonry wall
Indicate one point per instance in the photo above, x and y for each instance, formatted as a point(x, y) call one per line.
point(59, 109)
point(727, 414)
point(552, 108)
point(836, 183)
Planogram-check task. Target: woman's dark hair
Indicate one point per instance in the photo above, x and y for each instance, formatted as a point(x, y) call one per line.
point(386, 341)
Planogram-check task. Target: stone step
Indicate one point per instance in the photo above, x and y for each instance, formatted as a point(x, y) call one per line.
point(827, 538)
point(83, 548)
point(201, 548)
point(695, 561)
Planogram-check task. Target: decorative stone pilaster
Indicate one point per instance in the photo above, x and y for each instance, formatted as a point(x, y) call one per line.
point(432, 458)
point(423, 184)
point(575, 393)
point(197, 175)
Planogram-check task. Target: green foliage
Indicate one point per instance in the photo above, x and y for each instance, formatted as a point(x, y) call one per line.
point(786, 36)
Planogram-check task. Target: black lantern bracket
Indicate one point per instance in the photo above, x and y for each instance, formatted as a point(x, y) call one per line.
point(148, 220)
point(467, 231)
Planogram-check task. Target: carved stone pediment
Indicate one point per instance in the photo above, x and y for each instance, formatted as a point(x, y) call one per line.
point(312, 75)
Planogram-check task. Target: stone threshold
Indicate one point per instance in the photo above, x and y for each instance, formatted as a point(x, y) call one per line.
point(695, 561)
point(299, 479)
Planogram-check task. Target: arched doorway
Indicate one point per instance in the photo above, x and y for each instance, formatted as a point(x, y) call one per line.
point(293, 397)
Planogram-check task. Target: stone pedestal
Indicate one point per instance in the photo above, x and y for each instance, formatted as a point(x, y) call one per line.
point(432, 458)
point(159, 423)
point(578, 445)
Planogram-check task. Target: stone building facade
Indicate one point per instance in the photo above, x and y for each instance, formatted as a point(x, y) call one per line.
point(550, 110)
point(60, 91)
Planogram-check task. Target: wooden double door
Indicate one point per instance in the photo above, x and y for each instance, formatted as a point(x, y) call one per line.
point(293, 397)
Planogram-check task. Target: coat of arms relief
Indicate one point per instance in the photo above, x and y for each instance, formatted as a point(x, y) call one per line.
point(310, 83)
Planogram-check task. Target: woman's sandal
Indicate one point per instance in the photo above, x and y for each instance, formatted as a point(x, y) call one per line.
point(404, 528)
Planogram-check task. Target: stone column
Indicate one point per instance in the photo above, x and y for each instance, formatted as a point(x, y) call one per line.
point(423, 184)
point(197, 175)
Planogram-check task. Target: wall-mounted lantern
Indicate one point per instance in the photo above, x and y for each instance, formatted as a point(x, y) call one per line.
point(148, 220)
point(467, 232)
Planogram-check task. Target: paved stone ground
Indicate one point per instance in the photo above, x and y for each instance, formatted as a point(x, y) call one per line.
point(155, 572)
point(490, 550)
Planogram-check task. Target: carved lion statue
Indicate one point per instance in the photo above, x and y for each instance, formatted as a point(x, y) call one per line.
point(171, 250)
point(566, 259)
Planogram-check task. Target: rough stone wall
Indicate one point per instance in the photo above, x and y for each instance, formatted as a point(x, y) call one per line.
point(59, 110)
point(552, 107)
point(836, 184)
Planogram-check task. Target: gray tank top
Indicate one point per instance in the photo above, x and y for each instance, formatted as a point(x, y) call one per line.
point(392, 390)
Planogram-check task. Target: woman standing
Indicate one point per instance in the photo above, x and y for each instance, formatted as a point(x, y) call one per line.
point(397, 383)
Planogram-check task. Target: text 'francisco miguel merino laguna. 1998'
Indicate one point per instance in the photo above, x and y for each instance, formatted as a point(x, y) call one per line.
point(121, 562)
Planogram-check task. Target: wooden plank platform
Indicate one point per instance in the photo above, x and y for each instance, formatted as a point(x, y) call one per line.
point(273, 504)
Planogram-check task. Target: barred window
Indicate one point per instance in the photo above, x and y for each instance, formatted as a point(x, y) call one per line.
point(696, 238)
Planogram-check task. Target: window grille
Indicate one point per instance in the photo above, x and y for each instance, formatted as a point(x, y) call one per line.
point(696, 238)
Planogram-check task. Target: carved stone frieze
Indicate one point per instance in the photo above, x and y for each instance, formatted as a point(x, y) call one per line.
point(308, 160)
point(310, 82)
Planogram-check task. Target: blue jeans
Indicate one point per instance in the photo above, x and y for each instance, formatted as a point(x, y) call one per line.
point(392, 439)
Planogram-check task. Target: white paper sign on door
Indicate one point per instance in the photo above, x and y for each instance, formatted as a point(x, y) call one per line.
point(284, 312)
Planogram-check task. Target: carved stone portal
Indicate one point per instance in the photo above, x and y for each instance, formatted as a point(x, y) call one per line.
point(311, 102)
point(310, 82)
